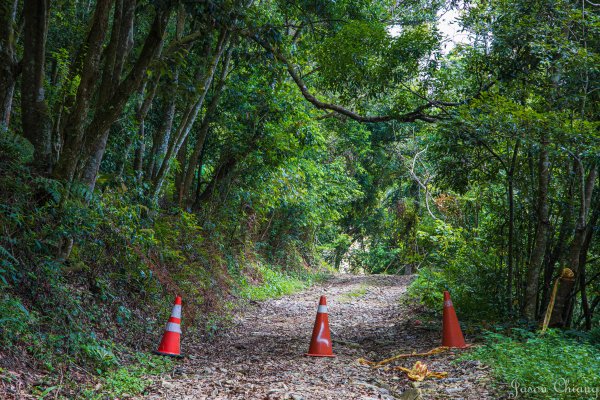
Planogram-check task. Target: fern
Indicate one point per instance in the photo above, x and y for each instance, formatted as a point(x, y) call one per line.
point(14, 149)
point(50, 186)
point(5, 254)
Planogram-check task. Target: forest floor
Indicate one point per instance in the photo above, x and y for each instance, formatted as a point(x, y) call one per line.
point(262, 355)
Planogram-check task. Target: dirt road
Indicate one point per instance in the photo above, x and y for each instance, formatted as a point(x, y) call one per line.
point(262, 356)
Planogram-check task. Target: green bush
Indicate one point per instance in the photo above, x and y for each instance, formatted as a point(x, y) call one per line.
point(15, 150)
point(428, 288)
point(15, 321)
point(549, 366)
point(129, 381)
point(275, 283)
point(376, 259)
point(465, 267)
point(80, 274)
point(594, 336)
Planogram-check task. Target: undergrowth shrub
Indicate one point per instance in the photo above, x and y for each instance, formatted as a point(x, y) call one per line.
point(465, 267)
point(375, 259)
point(75, 290)
point(549, 366)
point(594, 336)
point(15, 321)
point(272, 283)
point(127, 381)
point(87, 281)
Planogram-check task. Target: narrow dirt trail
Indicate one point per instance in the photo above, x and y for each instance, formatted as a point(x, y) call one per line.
point(262, 356)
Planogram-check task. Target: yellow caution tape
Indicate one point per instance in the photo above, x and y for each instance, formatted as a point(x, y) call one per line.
point(419, 372)
point(374, 364)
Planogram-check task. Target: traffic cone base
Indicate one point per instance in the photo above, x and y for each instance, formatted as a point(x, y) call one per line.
point(452, 335)
point(320, 355)
point(170, 343)
point(159, 353)
point(320, 344)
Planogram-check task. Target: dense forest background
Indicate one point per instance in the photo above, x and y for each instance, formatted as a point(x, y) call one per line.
point(238, 149)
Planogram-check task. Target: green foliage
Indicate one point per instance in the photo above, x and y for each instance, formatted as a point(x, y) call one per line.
point(15, 151)
point(353, 294)
point(594, 336)
point(283, 190)
point(131, 380)
point(16, 321)
point(20, 329)
point(462, 266)
point(377, 259)
point(363, 58)
point(273, 283)
point(551, 365)
point(428, 288)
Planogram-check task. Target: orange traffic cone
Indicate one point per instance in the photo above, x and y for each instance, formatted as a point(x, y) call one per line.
point(320, 344)
point(452, 335)
point(169, 345)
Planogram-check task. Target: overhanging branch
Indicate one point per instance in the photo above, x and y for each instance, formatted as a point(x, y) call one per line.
point(417, 114)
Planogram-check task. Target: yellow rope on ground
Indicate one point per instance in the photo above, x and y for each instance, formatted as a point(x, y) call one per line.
point(375, 364)
point(565, 274)
point(419, 372)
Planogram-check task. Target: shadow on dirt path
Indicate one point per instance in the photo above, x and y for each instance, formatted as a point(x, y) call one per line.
point(262, 356)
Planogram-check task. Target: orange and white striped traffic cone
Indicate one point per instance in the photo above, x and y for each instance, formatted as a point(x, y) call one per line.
point(169, 345)
point(320, 344)
point(452, 335)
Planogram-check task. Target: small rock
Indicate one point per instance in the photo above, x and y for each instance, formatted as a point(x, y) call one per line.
point(168, 385)
point(411, 394)
point(452, 379)
point(454, 390)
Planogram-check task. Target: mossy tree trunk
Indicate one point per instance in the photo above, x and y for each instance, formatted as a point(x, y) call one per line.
point(8, 60)
point(541, 234)
point(34, 109)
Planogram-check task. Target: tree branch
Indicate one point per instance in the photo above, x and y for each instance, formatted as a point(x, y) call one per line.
point(417, 114)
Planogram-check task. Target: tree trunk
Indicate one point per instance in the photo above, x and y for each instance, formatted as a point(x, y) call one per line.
point(119, 46)
point(179, 175)
point(511, 238)
point(223, 171)
point(109, 111)
point(198, 190)
point(585, 306)
point(161, 137)
point(188, 172)
point(140, 116)
point(34, 110)
point(142, 109)
point(587, 187)
point(558, 250)
point(74, 129)
point(577, 245)
point(113, 107)
point(539, 247)
point(189, 117)
point(565, 287)
point(8, 61)
point(140, 148)
point(111, 75)
point(511, 226)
